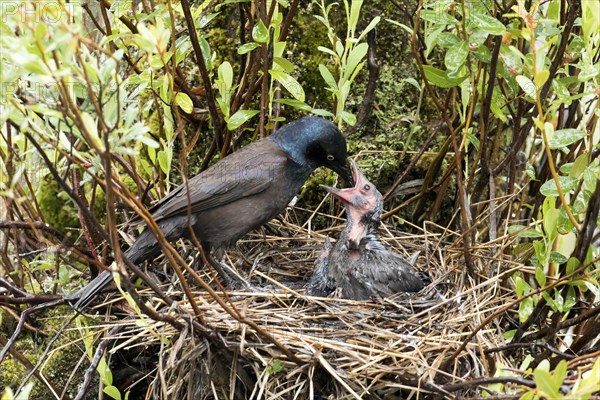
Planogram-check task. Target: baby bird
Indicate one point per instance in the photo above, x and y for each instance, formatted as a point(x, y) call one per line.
point(359, 266)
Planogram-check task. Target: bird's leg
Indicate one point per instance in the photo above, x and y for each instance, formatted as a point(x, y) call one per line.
point(232, 278)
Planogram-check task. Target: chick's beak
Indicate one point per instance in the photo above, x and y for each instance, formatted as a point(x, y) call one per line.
point(359, 179)
point(346, 195)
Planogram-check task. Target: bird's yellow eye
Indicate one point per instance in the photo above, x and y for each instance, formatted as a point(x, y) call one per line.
point(330, 157)
point(367, 187)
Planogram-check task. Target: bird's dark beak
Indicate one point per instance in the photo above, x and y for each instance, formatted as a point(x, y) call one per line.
point(346, 174)
point(349, 195)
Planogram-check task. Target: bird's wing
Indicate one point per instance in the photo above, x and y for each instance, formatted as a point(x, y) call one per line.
point(390, 277)
point(321, 283)
point(244, 173)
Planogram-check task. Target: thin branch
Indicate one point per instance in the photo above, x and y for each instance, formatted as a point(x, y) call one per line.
point(366, 106)
point(210, 96)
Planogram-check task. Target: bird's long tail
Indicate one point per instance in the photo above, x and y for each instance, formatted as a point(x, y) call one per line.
point(137, 253)
point(85, 295)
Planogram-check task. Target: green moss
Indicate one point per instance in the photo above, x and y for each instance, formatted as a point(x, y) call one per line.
point(60, 363)
point(56, 206)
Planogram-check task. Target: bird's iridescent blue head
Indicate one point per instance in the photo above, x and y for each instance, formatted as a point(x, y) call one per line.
point(315, 142)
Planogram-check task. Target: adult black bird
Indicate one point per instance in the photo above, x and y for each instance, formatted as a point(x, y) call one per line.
point(359, 266)
point(240, 192)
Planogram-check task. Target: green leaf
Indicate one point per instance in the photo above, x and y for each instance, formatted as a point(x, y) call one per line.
point(529, 395)
point(515, 228)
point(482, 20)
point(92, 131)
point(572, 265)
point(456, 56)
point(321, 113)
point(278, 48)
point(294, 103)
point(348, 118)
point(369, 27)
point(226, 75)
point(590, 19)
point(550, 221)
point(156, 61)
point(35, 66)
point(285, 64)
point(564, 224)
point(540, 252)
point(520, 286)
point(588, 384)
point(593, 286)
point(526, 85)
point(548, 204)
point(545, 384)
point(354, 14)
point(23, 394)
point(440, 78)
point(483, 53)
point(438, 17)
point(104, 372)
point(565, 137)
point(163, 161)
point(113, 392)
point(579, 165)
point(183, 46)
point(413, 82)
point(289, 83)
point(205, 20)
point(525, 309)
point(541, 77)
point(549, 300)
point(588, 72)
point(522, 248)
point(247, 47)
point(328, 77)
point(339, 48)
point(184, 101)
point(567, 183)
point(447, 40)
point(408, 29)
point(431, 39)
point(354, 58)
point(540, 276)
point(260, 33)
point(168, 123)
point(530, 233)
point(560, 373)
point(206, 53)
point(508, 335)
point(275, 368)
point(328, 51)
point(590, 178)
point(240, 117)
point(556, 257)
point(561, 90)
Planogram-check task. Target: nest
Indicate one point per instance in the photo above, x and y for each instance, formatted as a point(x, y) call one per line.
point(390, 348)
